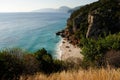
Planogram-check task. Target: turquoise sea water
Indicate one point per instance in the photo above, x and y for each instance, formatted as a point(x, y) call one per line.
point(31, 31)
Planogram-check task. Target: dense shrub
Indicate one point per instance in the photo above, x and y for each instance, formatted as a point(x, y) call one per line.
point(47, 63)
point(106, 12)
point(10, 66)
point(94, 50)
point(58, 65)
point(31, 64)
point(45, 60)
point(16, 62)
point(112, 57)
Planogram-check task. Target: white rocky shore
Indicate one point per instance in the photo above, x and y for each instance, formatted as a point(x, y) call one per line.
point(69, 51)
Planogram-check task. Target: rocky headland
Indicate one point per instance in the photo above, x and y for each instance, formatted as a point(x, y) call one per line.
point(93, 20)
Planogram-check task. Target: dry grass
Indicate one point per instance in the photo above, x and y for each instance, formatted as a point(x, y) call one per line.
point(91, 74)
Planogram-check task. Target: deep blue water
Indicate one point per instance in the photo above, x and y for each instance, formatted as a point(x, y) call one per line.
point(31, 31)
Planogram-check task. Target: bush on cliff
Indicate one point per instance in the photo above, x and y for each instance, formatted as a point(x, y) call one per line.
point(10, 65)
point(106, 12)
point(47, 63)
point(45, 60)
point(16, 62)
point(94, 50)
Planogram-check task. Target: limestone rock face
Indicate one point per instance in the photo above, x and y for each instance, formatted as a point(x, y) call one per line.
point(100, 23)
point(94, 27)
point(92, 21)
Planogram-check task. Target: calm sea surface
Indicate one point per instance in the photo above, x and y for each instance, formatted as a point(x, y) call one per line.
point(31, 31)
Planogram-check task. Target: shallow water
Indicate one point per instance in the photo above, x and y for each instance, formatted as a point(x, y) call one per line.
point(31, 31)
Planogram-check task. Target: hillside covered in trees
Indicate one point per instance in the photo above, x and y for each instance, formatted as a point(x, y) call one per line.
point(95, 28)
point(93, 20)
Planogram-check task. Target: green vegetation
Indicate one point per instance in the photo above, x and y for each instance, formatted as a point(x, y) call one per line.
point(98, 52)
point(10, 65)
point(94, 51)
point(107, 13)
point(104, 36)
point(16, 62)
point(47, 63)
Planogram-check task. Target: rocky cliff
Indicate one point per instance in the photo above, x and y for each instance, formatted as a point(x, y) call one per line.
point(91, 21)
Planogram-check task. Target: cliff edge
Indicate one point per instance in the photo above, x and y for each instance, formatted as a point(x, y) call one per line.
point(91, 21)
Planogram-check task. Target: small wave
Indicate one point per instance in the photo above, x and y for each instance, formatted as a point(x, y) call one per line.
point(58, 50)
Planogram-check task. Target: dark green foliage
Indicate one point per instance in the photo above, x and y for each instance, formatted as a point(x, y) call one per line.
point(16, 62)
point(47, 63)
point(10, 66)
point(83, 23)
point(45, 60)
point(94, 50)
point(107, 11)
point(106, 23)
point(31, 64)
point(105, 1)
point(41, 54)
point(82, 13)
point(58, 65)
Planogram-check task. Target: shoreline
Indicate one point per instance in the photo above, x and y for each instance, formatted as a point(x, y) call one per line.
point(58, 50)
point(67, 51)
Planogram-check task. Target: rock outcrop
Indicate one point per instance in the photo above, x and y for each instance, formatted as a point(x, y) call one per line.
point(93, 20)
point(95, 26)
